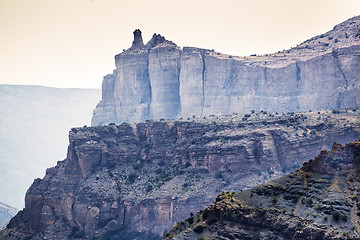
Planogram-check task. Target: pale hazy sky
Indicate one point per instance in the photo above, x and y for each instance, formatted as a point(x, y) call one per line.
point(72, 43)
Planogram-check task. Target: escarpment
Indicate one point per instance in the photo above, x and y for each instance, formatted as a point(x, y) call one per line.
point(161, 80)
point(318, 201)
point(141, 179)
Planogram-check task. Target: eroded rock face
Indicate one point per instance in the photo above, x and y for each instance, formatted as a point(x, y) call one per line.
point(318, 201)
point(161, 80)
point(148, 176)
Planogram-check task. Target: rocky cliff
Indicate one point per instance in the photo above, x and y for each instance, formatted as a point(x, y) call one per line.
point(143, 178)
point(318, 201)
point(161, 80)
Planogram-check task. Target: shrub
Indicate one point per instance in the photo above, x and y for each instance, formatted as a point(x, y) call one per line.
point(336, 215)
point(199, 228)
point(190, 220)
point(318, 207)
point(79, 234)
point(185, 185)
point(137, 166)
point(149, 188)
point(334, 162)
point(219, 175)
point(204, 215)
point(188, 164)
point(131, 178)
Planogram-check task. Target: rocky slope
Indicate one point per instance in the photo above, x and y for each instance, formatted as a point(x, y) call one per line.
point(318, 201)
point(34, 126)
point(161, 80)
point(143, 178)
point(6, 213)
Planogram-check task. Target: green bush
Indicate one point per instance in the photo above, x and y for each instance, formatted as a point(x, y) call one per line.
point(336, 215)
point(199, 228)
point(149, 188)
point(318, 207)
point(131, 178)
point(309, 201)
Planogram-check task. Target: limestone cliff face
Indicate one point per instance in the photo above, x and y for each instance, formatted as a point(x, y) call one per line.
point(161, 80)
point(146, 177)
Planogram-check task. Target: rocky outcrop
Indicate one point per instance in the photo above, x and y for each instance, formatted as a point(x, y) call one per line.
point(146, 177)
point(161, 80)
point(318, 201)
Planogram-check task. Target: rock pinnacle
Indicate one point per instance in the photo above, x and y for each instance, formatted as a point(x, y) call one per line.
point(138, 41)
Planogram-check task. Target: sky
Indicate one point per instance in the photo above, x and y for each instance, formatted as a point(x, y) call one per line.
point(72, 43)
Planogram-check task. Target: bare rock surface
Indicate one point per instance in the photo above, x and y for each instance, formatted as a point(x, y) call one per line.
point(318, 201)
point(161, 80)
point(126, 180)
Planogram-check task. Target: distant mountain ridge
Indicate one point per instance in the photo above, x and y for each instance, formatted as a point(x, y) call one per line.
point(6, 213)
point(34, 124)
point(161, 80)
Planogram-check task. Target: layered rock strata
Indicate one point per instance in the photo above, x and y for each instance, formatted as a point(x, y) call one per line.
point(146, 177)
point(161, 80)
point(318, 201)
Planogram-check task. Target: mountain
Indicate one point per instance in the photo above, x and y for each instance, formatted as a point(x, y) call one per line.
point(161, 80)
point(34, 126)
point(6, 213)
point(138, 180)
point(318, 201)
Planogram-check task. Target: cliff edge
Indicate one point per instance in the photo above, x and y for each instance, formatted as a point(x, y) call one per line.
point(161, 80)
